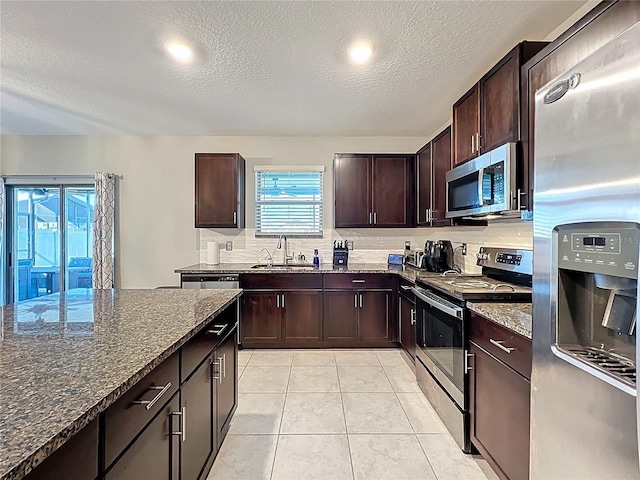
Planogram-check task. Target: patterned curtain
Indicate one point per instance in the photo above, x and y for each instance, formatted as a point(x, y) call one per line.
point(103, 230)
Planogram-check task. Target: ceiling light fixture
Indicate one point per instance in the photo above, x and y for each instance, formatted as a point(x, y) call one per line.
point(179, 51)
point(360, 53)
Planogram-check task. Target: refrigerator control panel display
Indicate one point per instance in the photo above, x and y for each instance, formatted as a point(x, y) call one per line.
point(592, 242)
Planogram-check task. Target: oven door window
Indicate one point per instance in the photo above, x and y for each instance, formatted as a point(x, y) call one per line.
point(440, 337)
point(463, 192)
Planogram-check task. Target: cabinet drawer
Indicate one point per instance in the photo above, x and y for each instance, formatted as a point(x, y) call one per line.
point(124, 419)
point(200, 346)
point(281, 281)
point(486, 334)
point(367, 280)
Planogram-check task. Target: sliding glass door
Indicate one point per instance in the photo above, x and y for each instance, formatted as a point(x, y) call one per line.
point(50, 239)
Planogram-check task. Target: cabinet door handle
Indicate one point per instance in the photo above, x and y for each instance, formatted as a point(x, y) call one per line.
point(426, 214)
point(218, 362)
point(224, 365)
point(355, 301)
point(375, 218)
point(277, 301)
point(413, 316)
point(183, 424)
point(467, 356)
point(370, 218)
point(150, 403)
point(405, 287)
point(478, 142)
point(235, 218)
point(282, 300)
point(360, 300)
point(472, 144)
point(499, 344)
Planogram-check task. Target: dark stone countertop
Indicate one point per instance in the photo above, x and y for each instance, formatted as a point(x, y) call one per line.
point(64, 358)
point(514, 316)
point(408, 273)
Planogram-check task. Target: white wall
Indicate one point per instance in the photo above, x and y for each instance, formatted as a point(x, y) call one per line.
point(155, 225)
point(156, 233)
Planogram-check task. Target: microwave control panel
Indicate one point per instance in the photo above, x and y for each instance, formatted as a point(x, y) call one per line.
point(608, 248)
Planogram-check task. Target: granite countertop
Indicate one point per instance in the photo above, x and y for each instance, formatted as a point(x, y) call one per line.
point(408, 273)
point(64, 358)
point(514, 316)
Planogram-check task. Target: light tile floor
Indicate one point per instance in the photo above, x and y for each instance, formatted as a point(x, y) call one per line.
point(337, 414)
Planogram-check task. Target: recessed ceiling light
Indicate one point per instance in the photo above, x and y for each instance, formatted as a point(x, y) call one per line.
point(360, 52)
point(179, 51)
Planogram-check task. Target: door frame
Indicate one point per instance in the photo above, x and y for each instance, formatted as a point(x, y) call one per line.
point(8, 270)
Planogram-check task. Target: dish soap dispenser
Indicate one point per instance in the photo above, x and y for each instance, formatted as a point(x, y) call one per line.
point(316, 258)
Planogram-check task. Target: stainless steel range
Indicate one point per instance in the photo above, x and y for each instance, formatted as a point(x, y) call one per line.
point(442, 328)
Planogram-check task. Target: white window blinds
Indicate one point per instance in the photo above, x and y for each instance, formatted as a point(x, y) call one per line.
point(288, 201)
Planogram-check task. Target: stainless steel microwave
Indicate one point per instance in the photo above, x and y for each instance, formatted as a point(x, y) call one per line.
point(485, 185)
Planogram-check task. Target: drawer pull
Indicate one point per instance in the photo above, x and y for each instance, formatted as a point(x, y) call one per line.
point(150, 403)
point(358, 281)
point(221, 328)
point(499, 344)
point(183, 424)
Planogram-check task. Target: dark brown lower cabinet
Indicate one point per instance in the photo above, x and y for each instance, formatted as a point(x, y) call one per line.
point(374, 316)
point(198, 405)
point(500, 407)
point(340, 323)
point(353, 317)
point(302, 315)
point(260, 318)
point(407, 311)
point(154, 454)
point(75, 460)
point(226, 387)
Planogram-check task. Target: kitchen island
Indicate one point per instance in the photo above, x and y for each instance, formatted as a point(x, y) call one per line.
point(66, 358)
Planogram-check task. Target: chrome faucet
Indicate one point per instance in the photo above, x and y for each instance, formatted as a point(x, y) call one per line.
point(286, 258)
point(268, 257)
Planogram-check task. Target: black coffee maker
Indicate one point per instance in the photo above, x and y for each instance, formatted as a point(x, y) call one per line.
point(439, 255)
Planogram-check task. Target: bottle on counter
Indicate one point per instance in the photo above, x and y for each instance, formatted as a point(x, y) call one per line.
point(316, 258)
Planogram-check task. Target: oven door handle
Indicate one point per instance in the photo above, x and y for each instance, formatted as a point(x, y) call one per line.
point(453, 311)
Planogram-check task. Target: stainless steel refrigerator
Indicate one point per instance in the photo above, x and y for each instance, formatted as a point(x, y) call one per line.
point(584, 414)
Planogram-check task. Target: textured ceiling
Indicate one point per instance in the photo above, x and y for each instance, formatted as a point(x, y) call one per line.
point(263, 68)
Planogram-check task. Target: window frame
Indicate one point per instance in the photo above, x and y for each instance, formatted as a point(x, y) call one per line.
point(259, 170)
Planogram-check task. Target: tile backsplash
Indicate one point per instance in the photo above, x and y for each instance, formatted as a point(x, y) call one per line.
point(370, 245)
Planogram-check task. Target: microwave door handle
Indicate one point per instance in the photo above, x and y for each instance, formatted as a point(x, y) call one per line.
point(480, 187)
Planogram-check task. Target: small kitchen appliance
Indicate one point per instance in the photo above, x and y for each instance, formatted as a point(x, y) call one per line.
point(584, 402)
point(438, 255)
point(442, 328)
point(416, 259)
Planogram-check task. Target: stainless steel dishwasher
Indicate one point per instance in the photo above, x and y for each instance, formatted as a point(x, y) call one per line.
point(209, 281)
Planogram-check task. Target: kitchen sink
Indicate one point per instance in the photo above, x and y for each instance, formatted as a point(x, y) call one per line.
point(290, 266)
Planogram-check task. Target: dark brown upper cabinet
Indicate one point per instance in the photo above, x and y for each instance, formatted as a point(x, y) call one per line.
point(604, 22)
point(434, 161)
point(220, 183)
point(488, 115)
point(374, 190)
point(466, 125)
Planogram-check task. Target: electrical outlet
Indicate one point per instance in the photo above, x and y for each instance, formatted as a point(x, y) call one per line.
point(464, 249)
point(228, 246)
point(349, 244)
point(407, 244)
